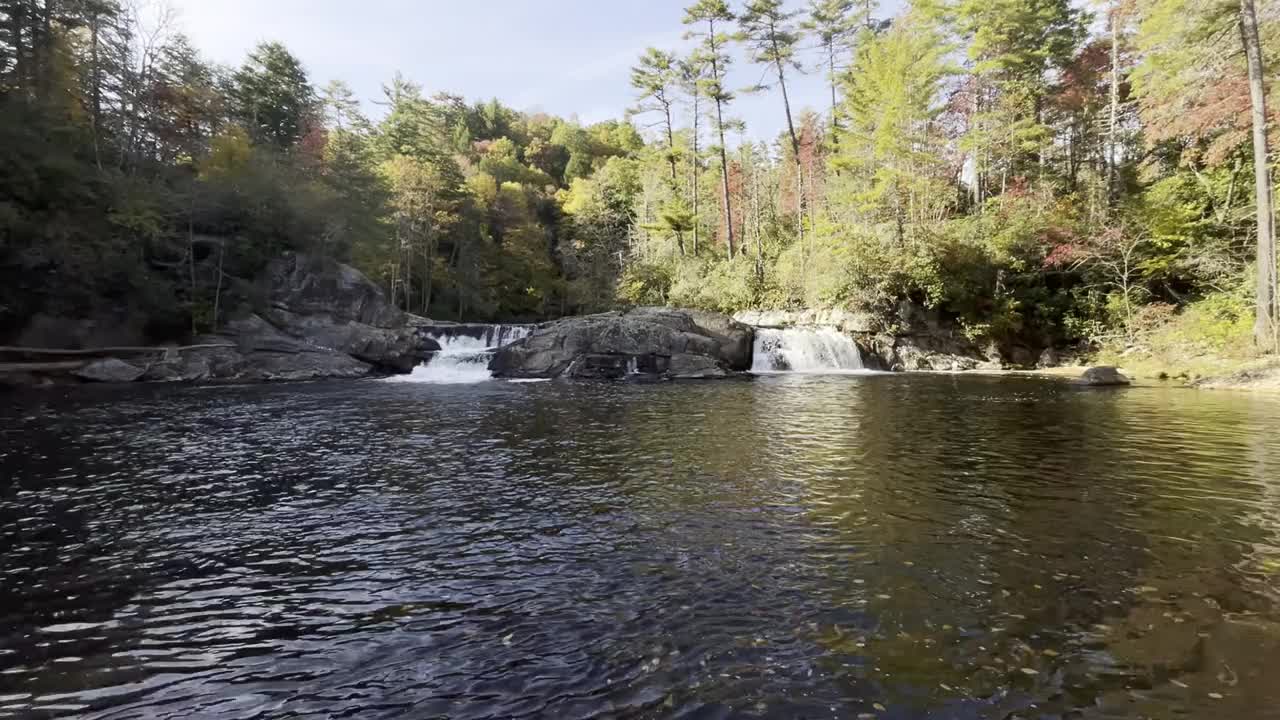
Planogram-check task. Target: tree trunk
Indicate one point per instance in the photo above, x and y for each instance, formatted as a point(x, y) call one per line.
point(813, 204)
point(671, 146)
point(1264, 328)
point(191, 257)
point(696, 217)
point(1115, 105)
point(835, 121)
point(977, 151)
point(45, 46)
point(755, 215)
point(724, 154)
point(455, 262)
point(217, 294)
point(426, 293)
point(95, 117)
point(795, 146)
point(724, 185)
point(17, 19)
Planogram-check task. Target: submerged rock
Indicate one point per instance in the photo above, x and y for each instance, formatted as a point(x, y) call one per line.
point(655, 342)
point(1103, 376)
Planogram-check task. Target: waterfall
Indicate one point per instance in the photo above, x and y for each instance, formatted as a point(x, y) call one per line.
point(465, 352)
point(805, 350)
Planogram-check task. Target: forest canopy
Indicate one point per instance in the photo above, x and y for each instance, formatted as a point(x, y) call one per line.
point(1033, 169)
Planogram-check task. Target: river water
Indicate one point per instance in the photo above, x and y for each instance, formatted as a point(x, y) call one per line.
point(789, 546)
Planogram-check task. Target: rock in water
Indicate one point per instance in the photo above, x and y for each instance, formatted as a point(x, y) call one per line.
point(110, 370)
point(1104, 376)
point(652, 342)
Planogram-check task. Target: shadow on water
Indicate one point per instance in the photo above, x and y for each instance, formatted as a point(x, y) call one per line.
point(905, 547)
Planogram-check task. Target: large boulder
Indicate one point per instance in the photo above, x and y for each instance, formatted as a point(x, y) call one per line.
point(315, 285)
point(110, 370)
point(1103, 376)
point(251, 349)
point(653, 342)
point(334, 306)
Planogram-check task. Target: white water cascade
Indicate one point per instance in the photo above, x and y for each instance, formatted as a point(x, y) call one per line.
point(805, 350)
point(465, 352)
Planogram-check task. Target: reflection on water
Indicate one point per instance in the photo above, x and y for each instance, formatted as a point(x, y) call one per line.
point(885, 546)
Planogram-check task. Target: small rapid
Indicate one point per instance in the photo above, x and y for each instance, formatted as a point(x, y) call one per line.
point(805, 350)
point(465, 352)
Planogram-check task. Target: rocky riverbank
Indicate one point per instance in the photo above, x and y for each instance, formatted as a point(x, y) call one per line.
point(314, 318)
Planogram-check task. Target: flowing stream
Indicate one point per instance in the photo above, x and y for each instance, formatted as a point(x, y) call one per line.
point(465, 352)
point(793, 546)
point(805, 350)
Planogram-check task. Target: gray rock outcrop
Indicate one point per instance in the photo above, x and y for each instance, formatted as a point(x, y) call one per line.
point(251, 349)
point(319, 319)
point(334, 306)
point(645, 342)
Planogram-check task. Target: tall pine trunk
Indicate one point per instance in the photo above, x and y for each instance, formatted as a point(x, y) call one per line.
point(694, 163)
point(1113, 130)
point(724, 154)
point(724, 181)
point(17, 22)
point(1264, 329)
point(671, 145)
point(431, 262)
point(795, 146)
point(95, 117)
point(835, 116)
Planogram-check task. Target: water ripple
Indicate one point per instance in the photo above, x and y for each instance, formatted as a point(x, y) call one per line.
point(791, 546)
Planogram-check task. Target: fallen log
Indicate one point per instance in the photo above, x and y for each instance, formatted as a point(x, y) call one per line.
point(63, 366)
point(108, 351)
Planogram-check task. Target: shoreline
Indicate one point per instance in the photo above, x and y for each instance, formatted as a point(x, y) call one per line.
point(1259, 376)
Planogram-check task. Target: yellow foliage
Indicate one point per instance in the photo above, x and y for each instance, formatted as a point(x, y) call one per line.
point(230, 152)
point(576, 198)
point(484, 187)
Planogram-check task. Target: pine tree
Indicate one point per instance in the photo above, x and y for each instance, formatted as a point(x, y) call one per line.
point(712, 53)
point(771, 37)
point(274, 97)
point(832, 22)
point(656, 78)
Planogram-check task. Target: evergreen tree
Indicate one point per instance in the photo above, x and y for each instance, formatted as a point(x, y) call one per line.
point(771, 37)
point(274, 98)
point(655, 77)
point(712, 53)
point(834, 25)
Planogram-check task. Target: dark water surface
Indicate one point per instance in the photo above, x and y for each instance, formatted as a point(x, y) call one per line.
point(790, 547)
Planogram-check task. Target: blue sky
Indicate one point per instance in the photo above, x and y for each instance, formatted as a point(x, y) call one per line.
point(566, 57)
